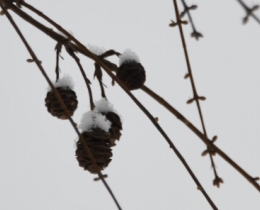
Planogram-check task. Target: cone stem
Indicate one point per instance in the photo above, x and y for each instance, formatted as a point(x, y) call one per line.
point(92, 106)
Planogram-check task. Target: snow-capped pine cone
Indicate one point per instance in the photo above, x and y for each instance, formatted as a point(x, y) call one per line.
point(70, 100)
point(116, 126)
point(98, 142)
point(132, 74)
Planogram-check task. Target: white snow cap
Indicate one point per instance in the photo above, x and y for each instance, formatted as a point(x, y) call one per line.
point(103, 105)
point(128, 55)
point(96, 50)
point(65, 81)
point(93, 119)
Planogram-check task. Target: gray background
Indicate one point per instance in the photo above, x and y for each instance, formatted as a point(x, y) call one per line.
point(37, 154)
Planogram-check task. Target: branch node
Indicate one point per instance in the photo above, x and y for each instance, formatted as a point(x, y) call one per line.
point(217, 181)
point(205, 152)
point(187, 9)
point(186, 76)
point(2, 12)
point(190, 101)
point(249, 12)
point(31, 61)
point(196, 35)
point(202, 98)
point(173, 24)
point(200, 188)
point(99, 178)
point(214, 139)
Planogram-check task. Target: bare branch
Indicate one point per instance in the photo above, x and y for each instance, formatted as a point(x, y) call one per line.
point(34, 57)
point(206, 141)
point(195, 98)
point(83, 49)
point(187, 10)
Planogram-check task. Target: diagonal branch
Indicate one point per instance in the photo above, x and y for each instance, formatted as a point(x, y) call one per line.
point(147, 113)
point(58, 38)
point(205, 140)
point(155, 123)
point(195, 94)
point(71, 52)
point(38, 63)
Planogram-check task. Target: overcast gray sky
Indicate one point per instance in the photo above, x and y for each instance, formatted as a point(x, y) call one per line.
point(37, 154)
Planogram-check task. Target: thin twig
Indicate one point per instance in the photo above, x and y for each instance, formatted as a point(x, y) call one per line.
point(195, 94)
point(87, 53)
point(48, 31)
point(249, 12)
point(98, 71)
point(206, 141)
point(71, 52)
point(38, 63)
point(98, 61)
point(154, 121)
point(98, 74)
point(187, 9)
point(57, 68)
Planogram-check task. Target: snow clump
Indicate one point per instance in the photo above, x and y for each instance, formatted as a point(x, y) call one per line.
point(103, 105)
point(64, 82)
point(93, 119)
point(128, 56)
point(96, 50)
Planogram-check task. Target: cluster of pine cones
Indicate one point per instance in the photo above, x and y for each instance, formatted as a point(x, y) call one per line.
point(132, 74)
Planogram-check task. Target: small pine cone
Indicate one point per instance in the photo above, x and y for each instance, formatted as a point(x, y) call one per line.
point(116, 126)
point(68, 96)
point(98, 142)
point(132, 74)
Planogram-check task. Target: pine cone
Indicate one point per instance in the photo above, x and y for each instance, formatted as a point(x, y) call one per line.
point(132, 74)
point(98, 143)
point(68, 96)
point(115, 128)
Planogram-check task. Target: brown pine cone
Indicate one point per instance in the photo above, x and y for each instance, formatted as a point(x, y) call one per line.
point(68, 96)
point(98, 142)
point(116, 126)
point(132, 74)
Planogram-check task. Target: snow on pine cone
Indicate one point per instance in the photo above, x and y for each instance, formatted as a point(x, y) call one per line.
point(104, 107)
point(98, 142)
point(130, 70)
point(69, 98)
